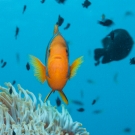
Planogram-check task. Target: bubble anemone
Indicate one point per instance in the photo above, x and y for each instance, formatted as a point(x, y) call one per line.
point(21, 115)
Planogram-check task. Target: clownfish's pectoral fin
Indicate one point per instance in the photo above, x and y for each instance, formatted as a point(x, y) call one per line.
point(48, 95)
point(39, 68)
point(56, 29)
point(75, 65)
point(63, 96)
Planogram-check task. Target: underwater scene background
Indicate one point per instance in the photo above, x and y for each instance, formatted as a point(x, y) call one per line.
point(106, 91)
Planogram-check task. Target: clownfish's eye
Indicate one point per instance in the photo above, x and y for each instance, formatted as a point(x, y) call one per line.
point(48, 53)
point(67, 52)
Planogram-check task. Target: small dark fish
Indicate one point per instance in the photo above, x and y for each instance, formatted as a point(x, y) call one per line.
point(10, 90)
point(61, 1)
point(4, 64)
point(14, 133)
point(60, 21)
point(115, 78)
point(132, 61)
point(97, 111)
point(94, 101)
point(16, 32)
point(129, 13)
point(106, 22)
point(24, 8)
point(77, 102)
point(42, 1)
point(90, 81)
point(103, 17)
point(86, 3)
point(127, 130)
point(1, 60)
point(13, 83)
point(28, 66)
point(58, 101)
point(80, 110)
point(68, 25)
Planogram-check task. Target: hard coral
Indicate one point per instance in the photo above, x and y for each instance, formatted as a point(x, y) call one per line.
point(20, 115)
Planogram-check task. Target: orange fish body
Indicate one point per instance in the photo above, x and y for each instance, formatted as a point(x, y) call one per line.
point(57, 70)
point(58, 64)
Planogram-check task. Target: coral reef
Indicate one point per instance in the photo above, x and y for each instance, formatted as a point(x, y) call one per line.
point(21, 115)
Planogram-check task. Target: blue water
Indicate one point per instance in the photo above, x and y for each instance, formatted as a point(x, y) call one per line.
point(116, 98)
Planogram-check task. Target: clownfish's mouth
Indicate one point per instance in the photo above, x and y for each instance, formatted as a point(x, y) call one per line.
point(57, 57)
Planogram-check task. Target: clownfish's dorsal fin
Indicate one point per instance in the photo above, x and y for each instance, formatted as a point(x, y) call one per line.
point(56, 29)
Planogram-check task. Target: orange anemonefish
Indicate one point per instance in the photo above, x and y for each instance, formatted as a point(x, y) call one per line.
point(57, 70)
